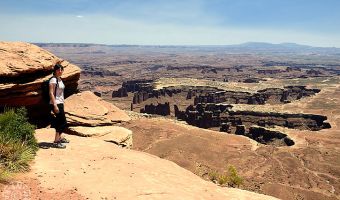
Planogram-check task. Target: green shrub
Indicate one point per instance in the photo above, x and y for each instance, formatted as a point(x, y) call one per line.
point(234, 180)
point(222, 179)
point(14, 126)
point(15, 156)
point(17, 142)
point(229, 178)
point(213, 176)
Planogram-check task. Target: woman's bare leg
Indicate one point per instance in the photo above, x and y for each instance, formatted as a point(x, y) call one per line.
point(57, 137)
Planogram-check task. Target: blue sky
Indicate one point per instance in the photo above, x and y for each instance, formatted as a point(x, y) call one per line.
point(183, 22)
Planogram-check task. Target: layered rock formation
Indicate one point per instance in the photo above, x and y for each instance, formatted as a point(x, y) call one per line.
point(90, 116)
point(118, 135)
point(214, 115)
point(144, 90)
point(270, 95)
point(138, 85)
point(143, 95)
point(159, 109)
point(189, 91)
point(24, 67)
point(267, 136)
point(203, 115)
point(86, 109)
point(121, 92)
point(296, 121)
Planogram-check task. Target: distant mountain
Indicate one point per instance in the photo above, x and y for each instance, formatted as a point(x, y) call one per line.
point(270, 45)
point(248, 47)
point(67, 44)
point(263, 47)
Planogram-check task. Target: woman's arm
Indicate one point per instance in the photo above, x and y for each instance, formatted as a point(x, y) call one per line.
point(52, 87)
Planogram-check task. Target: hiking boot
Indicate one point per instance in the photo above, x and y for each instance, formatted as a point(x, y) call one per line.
point(59, 145)
point(64, 140)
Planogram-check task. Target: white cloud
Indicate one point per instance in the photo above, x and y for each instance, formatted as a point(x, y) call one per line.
point(79, 16)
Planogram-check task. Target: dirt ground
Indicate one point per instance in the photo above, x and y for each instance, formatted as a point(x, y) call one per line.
point(23, 187)
point(90, 168)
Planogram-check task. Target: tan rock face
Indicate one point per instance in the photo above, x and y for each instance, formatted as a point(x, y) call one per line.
point(118, 135)
point(18, 58)
point(90, 116)
point(24, 67)
point(86, 109)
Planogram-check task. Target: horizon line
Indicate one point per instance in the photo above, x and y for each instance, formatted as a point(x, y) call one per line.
point(185, 45)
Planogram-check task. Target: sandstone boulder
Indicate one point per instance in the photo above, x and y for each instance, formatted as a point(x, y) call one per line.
point(86, 109)
point(18, 58)
point(24, 67)
point(115, 134)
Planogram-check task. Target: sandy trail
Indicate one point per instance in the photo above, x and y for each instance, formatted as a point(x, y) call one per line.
point(96, 169)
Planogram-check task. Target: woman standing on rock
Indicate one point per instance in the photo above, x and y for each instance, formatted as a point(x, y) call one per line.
point(56, 93)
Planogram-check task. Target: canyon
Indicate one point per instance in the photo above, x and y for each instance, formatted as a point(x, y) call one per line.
point(272, 115)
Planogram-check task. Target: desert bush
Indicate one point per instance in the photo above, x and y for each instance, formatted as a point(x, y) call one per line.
point(222, 179)
point(17, 142)
point(213, 176)
point(14, 126)
point(228, 178)
point(234, 180)
point(15, 156)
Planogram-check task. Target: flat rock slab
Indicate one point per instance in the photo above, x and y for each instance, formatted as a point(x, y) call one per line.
point(24, 67)
point(100, 170)
point(17, 58)
point(115, 134)
point(87, 109)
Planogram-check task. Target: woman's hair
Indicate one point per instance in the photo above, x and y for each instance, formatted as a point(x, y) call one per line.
point(56, 67)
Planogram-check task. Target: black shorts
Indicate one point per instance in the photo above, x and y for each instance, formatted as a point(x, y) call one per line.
point(58, 121)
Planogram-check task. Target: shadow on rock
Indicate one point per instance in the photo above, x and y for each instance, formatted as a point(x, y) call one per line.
point(46, 145)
